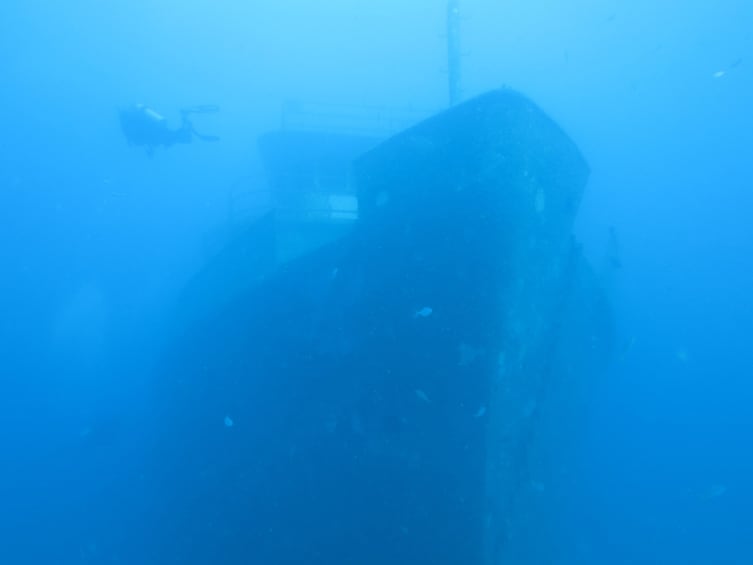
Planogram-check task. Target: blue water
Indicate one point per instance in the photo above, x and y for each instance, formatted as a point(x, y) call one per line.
point(97, 239)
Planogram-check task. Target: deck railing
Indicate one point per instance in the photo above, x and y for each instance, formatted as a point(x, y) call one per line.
point(371, 121)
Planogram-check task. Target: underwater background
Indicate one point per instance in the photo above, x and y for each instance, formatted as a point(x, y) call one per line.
point(98, 240)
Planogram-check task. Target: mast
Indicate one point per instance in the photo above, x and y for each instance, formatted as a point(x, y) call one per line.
point(453, 50)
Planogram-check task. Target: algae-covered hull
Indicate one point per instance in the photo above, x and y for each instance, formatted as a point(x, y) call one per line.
point(377, 399)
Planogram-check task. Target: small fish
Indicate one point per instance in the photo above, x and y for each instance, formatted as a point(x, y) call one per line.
point(424, 312)
point(682, 355)
point(228, 422)
point(714, 492)
point(422, 396)
point(540, 202)
point(629, 345)
point(501, 359)
point(719, 74)
point(480, 412)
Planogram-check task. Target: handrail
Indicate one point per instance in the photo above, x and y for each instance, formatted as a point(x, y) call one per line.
point(354, 119)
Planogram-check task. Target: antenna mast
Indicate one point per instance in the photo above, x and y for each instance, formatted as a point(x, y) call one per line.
point(453, 50)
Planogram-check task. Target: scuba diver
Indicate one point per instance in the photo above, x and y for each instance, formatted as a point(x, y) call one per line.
point(142, 126)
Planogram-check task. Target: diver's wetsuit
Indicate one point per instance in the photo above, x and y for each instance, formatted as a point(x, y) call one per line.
point(142, 126)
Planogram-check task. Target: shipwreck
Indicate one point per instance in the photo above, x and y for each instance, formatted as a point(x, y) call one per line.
point(374, 370)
